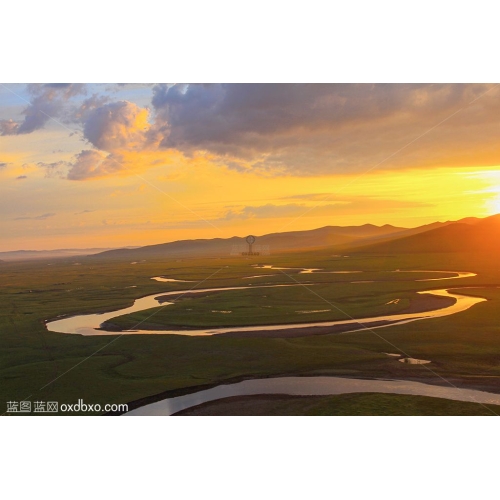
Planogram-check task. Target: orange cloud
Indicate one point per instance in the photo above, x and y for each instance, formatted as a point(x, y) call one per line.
point(117, 126)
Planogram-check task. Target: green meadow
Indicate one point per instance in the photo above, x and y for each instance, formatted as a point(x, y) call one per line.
point(39, 365)
point(304, 298)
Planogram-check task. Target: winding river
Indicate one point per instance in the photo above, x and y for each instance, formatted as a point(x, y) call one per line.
point(313, 386)
point(88, 324)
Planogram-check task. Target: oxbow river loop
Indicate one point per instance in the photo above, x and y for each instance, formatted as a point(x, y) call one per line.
point(89, 324)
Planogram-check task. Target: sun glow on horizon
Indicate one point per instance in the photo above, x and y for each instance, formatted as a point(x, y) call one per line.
point(219, 202)
point(491, 190)
point(493, 204)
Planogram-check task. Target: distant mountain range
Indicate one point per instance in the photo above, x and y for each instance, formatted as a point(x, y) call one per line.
point(465, 234)
point(49, 254)
point(323, 237)
point(469, 234)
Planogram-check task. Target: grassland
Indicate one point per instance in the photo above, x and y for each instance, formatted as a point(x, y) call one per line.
point(41, 365)
point(304, 302)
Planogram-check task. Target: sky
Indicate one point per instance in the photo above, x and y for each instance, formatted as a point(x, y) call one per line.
point(109, 165)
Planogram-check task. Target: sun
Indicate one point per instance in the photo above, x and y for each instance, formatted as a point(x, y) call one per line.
point(493, 204)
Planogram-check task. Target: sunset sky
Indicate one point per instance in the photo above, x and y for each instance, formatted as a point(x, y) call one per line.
point(106, 165)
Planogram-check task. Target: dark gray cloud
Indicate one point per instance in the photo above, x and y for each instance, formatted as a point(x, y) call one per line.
point(304, 129)
point(80, 114)
point(3, 164)
point(278, 129)
point(37, 217)
point(8, 127)
point(321, 128)
point(47, 100)
point(58, 85)
point(21, 177)
point(64, 90)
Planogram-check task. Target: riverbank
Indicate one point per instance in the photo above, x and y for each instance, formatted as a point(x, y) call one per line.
point(313, 386)
point(356, 404)
point(90, 324)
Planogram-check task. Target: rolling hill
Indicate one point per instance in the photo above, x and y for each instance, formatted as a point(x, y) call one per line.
point(467, 235)
point(325, 237)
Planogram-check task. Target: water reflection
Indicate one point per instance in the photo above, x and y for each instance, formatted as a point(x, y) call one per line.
point(313, 386)
point(169, 280)
point(88, 324)
point(413, 361)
